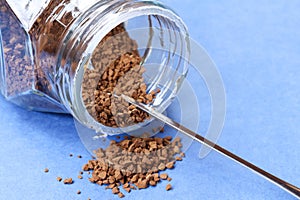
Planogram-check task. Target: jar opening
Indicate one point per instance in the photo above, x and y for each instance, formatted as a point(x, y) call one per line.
point(153, 40)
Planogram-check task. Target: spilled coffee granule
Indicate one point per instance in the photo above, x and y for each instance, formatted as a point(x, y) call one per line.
point(116, 70)
point(46, 170)
point(134, 163)
point(68, 181)
point(168, 187)
point(164, 176)
point(59, 179)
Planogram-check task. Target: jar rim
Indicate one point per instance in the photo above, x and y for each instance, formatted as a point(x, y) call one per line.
point(122, 11)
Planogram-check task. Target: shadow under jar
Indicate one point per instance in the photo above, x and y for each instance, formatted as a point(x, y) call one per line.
point(54, 55)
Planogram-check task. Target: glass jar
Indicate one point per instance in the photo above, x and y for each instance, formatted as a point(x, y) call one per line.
point(47, 47)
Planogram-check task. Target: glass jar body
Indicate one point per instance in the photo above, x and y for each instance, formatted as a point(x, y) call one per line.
point(30, 36)
point(46, 57)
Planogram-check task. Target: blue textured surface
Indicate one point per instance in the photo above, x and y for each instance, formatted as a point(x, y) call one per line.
point(256, 46)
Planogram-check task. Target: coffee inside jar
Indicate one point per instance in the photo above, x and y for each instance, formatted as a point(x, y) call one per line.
point(115, 69)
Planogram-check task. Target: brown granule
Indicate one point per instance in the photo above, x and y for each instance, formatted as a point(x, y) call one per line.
point(79, 176)
point(78, 192)
point(170, 165)
point(127, 189)
point(68, 181)
point(152, 183)
point(162, 129)
point(161, 166)
point(115, 190)
point(168, 187)
point(46, 170)
point(59, 179)
point(121, 195)
point(178, 158)
point(164, 176)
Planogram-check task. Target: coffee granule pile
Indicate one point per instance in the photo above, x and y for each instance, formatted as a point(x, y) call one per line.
point(134, 163)
point(116, 70)
point(131, 164)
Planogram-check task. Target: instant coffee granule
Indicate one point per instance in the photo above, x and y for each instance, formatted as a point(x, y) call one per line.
point(133, 163)
point(59, 179)
point(168, 187)
point(68, 181)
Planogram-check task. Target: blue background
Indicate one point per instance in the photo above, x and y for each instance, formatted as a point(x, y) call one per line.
point(256, 46)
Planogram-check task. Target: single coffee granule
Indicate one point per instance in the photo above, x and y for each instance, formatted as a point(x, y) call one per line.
point(59, 179)
point(79, 176)
point(115, 190)
point(133, 163)
point(71, 155)
point(121, 195)
point(164, 176)
point(162, 166)
point(168, 138)
point(170, 165)
point(78, 192)
point(46, 170)
point(68, 181)
point(152, 183)
point(79, 156)
point(162, 129)
point(127, 189)
point(178, 158)
point(168, 187)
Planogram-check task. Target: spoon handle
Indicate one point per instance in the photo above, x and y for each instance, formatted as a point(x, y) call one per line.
point(277, 181)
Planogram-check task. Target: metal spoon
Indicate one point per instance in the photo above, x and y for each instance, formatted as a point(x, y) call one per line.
point(295, 191)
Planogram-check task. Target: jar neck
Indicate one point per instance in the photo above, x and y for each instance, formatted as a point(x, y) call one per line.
point(90, 28)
